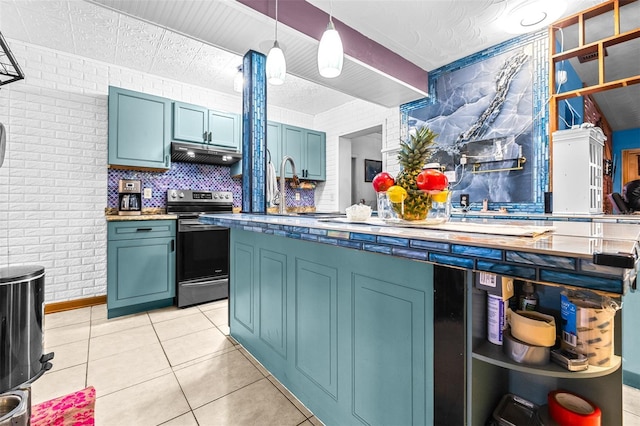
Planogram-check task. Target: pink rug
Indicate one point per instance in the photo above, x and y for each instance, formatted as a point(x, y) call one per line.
point(75, 409)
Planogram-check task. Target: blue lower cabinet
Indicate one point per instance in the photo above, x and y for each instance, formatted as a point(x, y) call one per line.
point(140, 266)
point(349, 333)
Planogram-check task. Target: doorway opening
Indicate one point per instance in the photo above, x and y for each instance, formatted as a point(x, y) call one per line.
point(354, 148)
point(630, 165)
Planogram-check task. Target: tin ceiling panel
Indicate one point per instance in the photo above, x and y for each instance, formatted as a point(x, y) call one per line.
point(201, 42)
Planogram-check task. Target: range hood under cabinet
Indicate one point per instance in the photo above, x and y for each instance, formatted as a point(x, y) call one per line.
point(186, 152)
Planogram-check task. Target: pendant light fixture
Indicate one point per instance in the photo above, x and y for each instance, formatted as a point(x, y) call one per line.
point(276, 66)
point(330, 52)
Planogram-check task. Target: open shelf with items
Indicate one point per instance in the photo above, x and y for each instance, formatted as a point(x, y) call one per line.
point(492, 374)
point(493, 354)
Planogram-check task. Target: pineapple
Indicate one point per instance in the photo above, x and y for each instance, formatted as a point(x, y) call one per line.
point(412, 157)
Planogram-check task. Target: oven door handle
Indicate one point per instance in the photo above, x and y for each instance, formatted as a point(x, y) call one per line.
point(204, 283)
point(200, 227)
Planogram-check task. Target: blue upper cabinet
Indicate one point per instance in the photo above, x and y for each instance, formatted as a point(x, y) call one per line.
point(292, 145)
point(139, 129)
point(192, 123)
point(274, 144)
point(308, 150)
point(306, 147)
point(315, 151)
point(224, 129)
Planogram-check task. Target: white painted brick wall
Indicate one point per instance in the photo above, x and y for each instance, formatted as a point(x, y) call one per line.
point(53, 186)
point(352, 117)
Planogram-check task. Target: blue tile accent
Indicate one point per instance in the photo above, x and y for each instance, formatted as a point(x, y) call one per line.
point(429, 245)
point(411, 254)
point(530, 266)
point(541, 260)
point(338, 234)
point(591, 282)
point(588, 266)
point(363, 237)
point(326, 240)
point(350, 244)
point(506, 269)
point(444, 259)
point(376, 248)
point(254, 133)
point(297, 229)
point(204, 177)
point(477, 252)
point(394, 241)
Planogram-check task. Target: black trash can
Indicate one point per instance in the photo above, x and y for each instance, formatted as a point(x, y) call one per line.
point(21, 321)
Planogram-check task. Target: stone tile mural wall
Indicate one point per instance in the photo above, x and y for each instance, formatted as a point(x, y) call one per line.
point(492, 108)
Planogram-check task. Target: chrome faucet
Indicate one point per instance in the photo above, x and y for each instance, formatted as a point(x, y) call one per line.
point(282, 207)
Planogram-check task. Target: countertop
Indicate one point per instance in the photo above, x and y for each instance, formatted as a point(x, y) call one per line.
point(116, 218)
point(111, 215)
point(558, 217)
point(568, 254)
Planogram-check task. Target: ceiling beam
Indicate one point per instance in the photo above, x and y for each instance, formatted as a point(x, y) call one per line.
point(312, 21)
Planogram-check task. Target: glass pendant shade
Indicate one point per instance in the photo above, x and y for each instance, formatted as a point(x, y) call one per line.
point(276, 67)
point(330, 53)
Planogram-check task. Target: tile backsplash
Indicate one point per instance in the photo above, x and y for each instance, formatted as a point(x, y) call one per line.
point(191, 176)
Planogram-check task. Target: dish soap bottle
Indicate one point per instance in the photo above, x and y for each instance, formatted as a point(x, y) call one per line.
point(528, 298)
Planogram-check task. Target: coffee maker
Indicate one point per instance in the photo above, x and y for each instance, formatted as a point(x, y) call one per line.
point(129, 197)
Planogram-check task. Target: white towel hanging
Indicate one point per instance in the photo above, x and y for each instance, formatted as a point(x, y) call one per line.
point(272, 185)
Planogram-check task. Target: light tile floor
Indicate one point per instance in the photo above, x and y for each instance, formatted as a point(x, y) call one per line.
point(174, 367)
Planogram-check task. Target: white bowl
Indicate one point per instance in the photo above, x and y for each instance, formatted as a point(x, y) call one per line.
point(358, 212)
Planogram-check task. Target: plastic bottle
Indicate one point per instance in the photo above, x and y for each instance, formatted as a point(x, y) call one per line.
point(528, 298)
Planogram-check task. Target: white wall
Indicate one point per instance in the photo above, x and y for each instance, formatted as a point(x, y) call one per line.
point(349, 118)
point(365, 147)
point(53, 186)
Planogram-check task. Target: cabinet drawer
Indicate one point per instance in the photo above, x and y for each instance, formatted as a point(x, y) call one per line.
point(141, 229)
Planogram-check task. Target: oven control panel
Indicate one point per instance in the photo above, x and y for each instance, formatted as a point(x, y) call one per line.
point(185, 195)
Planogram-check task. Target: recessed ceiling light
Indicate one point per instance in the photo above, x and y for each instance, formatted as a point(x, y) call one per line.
point(533, 20)
point(530, 15)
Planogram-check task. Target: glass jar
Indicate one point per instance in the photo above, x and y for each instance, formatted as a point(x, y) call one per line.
point(440, 210)
point(385, 209)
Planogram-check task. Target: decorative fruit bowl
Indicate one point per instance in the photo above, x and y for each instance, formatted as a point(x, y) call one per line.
point(415, 193)
point(416, 205)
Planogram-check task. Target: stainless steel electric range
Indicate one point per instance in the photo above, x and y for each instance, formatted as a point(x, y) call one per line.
point(202, 253)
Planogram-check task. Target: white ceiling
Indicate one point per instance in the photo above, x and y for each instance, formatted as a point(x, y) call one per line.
point(201, 42)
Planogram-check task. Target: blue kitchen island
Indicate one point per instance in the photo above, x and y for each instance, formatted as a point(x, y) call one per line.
point(381, 324)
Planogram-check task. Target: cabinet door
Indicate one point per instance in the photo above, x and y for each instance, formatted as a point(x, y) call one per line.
point(224, 129)
point(139, 129)
point(314, 155)
point(293, 146)
point(190, 122)
point(140, 271)
point(274, 144)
